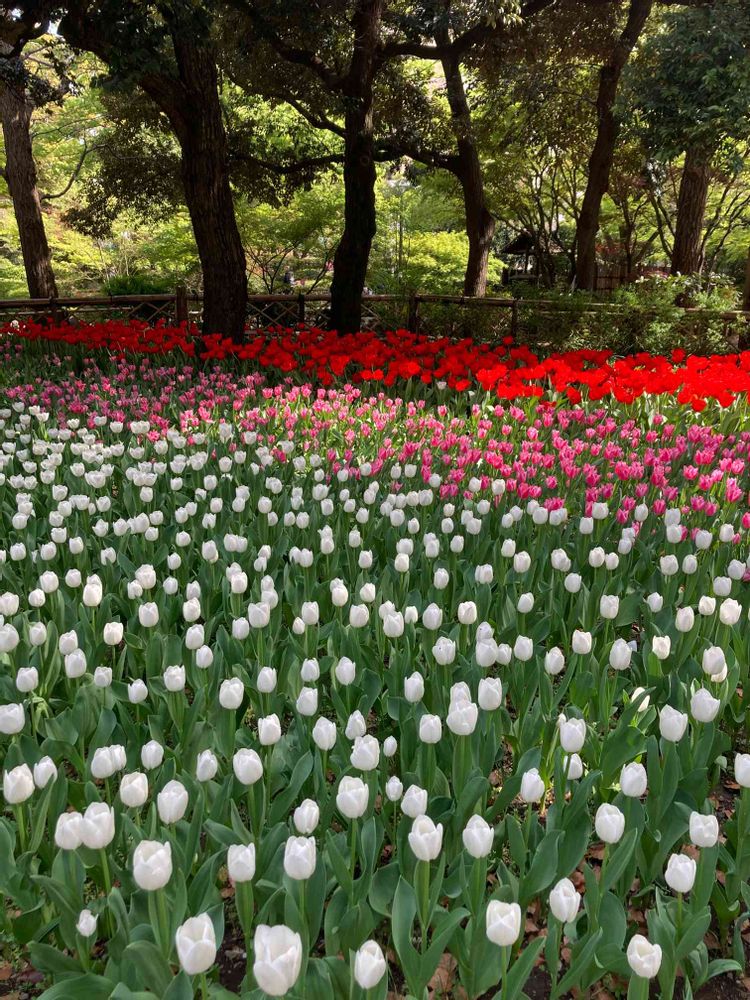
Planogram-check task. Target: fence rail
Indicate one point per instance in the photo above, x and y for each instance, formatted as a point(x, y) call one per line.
point(452, 315)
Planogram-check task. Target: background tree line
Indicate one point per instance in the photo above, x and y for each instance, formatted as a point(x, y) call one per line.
point(388, 143)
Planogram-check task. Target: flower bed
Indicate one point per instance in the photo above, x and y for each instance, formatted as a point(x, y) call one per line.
point(394, 359)
point(374, 693)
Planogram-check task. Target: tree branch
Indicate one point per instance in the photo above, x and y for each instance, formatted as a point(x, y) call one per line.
point(292, 53)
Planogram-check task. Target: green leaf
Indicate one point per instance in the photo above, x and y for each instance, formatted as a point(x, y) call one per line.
point(152, 967)
point(88, 987)
point(521, 969)
point(693, 934)
point(543, 868)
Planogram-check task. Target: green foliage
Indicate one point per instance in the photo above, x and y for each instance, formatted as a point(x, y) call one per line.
point(694, 82)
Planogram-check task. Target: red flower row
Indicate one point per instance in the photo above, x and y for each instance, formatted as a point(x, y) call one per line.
point(507, 370)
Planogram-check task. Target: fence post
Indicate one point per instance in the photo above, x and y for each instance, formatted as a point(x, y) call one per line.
point(301, 313)
point(744, 338)
point(412, 321)
point(514, 319)
point(181, 305)
point(54, 310)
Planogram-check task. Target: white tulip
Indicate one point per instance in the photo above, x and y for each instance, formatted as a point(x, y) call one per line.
point(196, 944)
point(704, 830)
point(277, 955)
point(532, 786)
point(478, 837)
point(609, 823)
point(503, 922)
point(241, 862)
point(369, 965)
point(152, 864)
point(564, 901)
point(644, 958)
point(680, 873)
point(426, 838)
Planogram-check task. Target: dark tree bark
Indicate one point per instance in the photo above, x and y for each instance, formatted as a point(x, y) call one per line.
point(200, 131)
point(480, 223)
point(602, 155)
point(687, 253)
point(353, 251)
point(20, 174)
point(190, 100)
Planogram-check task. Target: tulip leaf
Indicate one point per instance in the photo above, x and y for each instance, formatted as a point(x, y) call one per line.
point(87, 987)
point(520, 971)
point(580, 962)
point(180, 988)
point(383, 888)
point(283, 802)
point(51, 960)
point(152, 967)
point(543, 867)
point(618, 861)
point(404, 911)
point(692, 934)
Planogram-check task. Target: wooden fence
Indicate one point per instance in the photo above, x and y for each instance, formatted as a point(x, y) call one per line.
point(453, 315)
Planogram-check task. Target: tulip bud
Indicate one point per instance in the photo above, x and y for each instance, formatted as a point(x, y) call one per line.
point(742, 769)
point(241, 862)
point(414, 688)
point(369, 965)
point(231, 693)
point(247, 766)
point(572, 735)
point(18, 784)
point(12, 719)
point(672, 724)
point(394, 789)
point(554, 661)
point(152, 865)
point(300, 857)
point(352, 797)
point(609, 823)
point(523, 648)
point(704, 830)
point(277, 955)
point(134, 789)
point(478, 837)
point(619, 655)
point(703, 706)
point(414, 802)
point(68, 831)
point(581, 642)
point(680, 873)
point(564, 901)
point(172, 802)
point(86, 924)
point(152, 754)
point(633, 780)
point(306, 817)
point(196, 944)
point(206, 766)
point(644, 958)
point(532, 786)
point(490, 694)
point(269, 730)
point(503, 922)
point(425, 838)
point(97, 826)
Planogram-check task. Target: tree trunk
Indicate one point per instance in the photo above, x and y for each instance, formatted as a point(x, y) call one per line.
point(602, 155)
point(687, 253)
point(480, 223)
point(20, 174)
point(189, 98)
point(746, 295)
point(353, 252)
point(208, 193)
